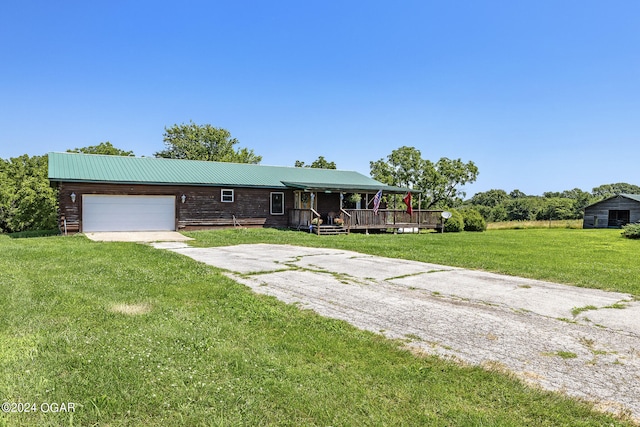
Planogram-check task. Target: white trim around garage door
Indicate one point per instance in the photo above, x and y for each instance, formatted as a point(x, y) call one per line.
point(102, 212)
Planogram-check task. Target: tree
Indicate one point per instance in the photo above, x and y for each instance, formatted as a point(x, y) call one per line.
point(609, 190)
point(438, 182)
point(496, 205)
point(443, 181)
point(498, 213)
point(320, 163)
point(6, 191)
point(404, 167)
point(517, 194)
point(581, 199)
point(34, 206)
point(521, 209)
point(103, 148)
point(491, 198)
point(27, 201)
point(204, 142)
point(557, 208)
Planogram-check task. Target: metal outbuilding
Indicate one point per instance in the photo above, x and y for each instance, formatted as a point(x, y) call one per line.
point(613, 212)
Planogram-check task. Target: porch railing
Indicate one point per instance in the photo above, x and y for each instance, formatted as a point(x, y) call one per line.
point(390, 218)
point(366, 219)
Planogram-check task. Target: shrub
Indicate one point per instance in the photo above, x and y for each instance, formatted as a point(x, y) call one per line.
point(631, 231)
point(473, 221)
point(485, 211)
point(34, 233)
point(454, 224)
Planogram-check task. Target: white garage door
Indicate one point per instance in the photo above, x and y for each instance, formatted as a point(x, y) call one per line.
point(128, 213)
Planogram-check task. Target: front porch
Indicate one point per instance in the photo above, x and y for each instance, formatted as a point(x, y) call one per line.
point(365, 220)
point(330, 209)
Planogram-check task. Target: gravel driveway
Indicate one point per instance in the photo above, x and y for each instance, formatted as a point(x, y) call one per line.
point(582, 342)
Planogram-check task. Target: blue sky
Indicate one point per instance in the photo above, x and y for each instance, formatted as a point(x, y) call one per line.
point(541, 95)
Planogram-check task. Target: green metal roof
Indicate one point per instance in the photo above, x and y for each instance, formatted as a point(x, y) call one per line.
point(346, 187)
point(73, 167)
point(635, 197)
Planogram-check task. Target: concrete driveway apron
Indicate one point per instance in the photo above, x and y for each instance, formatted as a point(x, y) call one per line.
point(137, 236)
point(582, 342)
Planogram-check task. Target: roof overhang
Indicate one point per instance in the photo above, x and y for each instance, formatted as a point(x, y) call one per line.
point(346, 188)
point(56, 181)
point(634, 197)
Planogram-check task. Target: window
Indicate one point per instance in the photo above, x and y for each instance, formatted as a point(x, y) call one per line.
point(226, 195)
point(277, 203)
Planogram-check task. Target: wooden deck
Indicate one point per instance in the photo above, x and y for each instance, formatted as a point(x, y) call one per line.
point(366, 219)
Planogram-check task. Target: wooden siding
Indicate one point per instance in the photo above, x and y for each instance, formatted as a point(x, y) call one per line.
point(202, 208)
point(597, 215)
point(251, 207)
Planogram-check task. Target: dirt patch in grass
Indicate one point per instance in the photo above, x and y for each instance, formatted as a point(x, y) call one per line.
point(131, 309)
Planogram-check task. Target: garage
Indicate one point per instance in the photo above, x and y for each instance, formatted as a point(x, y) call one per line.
point(128, 213)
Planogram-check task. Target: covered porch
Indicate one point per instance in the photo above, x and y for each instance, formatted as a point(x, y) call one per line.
point(330, 209)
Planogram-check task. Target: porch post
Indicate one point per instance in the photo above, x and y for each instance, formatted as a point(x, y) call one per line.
point(394, 209)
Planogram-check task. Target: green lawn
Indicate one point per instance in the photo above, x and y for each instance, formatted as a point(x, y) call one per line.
point(203, 350)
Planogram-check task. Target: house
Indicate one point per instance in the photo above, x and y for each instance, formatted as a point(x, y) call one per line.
point(614, 211)
point(117, 193)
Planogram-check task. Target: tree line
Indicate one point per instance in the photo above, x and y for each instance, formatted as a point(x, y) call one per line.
point(498, 205)
point(28, 202)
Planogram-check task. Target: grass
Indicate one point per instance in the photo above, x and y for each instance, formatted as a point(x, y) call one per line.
point(562, 354)
point(599, 259)
point(524, 225)
point(135, 336)
point(577, 310)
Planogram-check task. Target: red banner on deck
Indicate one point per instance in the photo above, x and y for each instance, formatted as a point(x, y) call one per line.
point(407, 201)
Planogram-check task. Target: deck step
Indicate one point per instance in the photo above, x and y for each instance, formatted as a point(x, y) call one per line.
point(328, 230)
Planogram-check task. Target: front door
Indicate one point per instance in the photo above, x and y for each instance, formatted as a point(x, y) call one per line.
point(303, 200)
